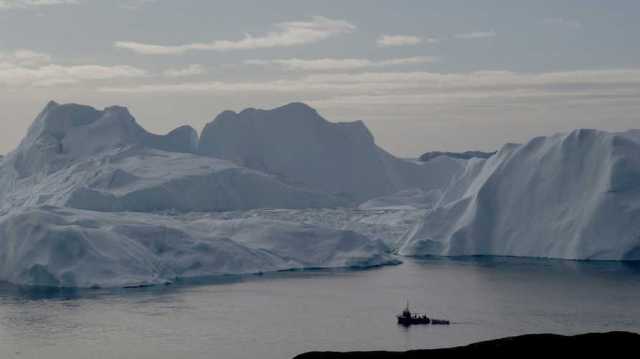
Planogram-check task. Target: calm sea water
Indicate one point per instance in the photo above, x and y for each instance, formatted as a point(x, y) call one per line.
point(279, 316)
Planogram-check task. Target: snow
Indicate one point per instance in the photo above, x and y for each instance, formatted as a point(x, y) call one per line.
point(63, 247)
point(147, 180)
point(406, 199)
point(570, 196)
point(299, 146)
point(387, 225)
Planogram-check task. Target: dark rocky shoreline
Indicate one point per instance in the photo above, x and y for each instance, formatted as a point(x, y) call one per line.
point(623, 344)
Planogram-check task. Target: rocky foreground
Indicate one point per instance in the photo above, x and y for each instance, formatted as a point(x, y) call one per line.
point(613, 343)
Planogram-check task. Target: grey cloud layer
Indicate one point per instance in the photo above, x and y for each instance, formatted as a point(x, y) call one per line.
point(420, 87)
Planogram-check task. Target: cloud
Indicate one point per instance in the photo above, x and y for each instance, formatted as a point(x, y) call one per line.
point(488, 79)
point(287, 34)
point(51, 75)
point(25, 4)
point(476, 35)
point(34, 4)
point(135, 4)
point(401, 40)
point(335, 64)
point(30, 68)
point(24, 57)
point(420, 87)
point(560, 21)
point(191, 70)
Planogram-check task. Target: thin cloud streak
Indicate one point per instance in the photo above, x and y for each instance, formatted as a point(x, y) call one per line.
point(476, 35)
point(288, 34)
point(34, 69)
point(419, 88)
point(400, 40)
point(36, 4)
point(336, 64)
point(25, 4)
point(191, 70)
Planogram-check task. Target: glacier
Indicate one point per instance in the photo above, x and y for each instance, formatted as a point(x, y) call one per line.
point(568, 196)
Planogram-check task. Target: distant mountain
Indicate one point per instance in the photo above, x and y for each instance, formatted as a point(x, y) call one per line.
point(459, 155)
point(303, 149)
point(572, 196)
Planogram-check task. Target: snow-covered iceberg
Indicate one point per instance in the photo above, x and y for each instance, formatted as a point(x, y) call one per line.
point(63, 247)
point(65, 134)
point(69, 191)
point(303, 149)
point(76, 156)
point(571, 196)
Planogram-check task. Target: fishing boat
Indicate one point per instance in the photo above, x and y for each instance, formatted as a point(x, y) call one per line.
point(407, 318)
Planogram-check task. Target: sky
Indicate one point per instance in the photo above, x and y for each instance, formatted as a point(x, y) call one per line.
point(422, 74)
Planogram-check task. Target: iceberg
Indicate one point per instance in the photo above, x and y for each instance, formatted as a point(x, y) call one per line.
point(569, 196)
point(75, 156)
point(91, 199)
point(64, 247)
point(296, 144)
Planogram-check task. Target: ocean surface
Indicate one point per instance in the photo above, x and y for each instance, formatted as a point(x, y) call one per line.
point(281, 315)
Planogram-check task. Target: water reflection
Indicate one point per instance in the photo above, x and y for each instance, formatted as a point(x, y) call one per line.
point(628, 269)
point(540, 264)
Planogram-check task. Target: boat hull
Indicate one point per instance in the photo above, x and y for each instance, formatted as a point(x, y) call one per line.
point(405, 321)
point(413, 321)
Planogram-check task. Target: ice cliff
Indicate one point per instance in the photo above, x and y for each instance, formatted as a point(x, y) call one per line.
point(571, 196)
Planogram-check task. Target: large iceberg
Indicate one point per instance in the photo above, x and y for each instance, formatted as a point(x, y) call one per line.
point(76, 156)
point(303, 149)
point(63, 247)
point(64, 134)
point(90, 198)
point(571, 196)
